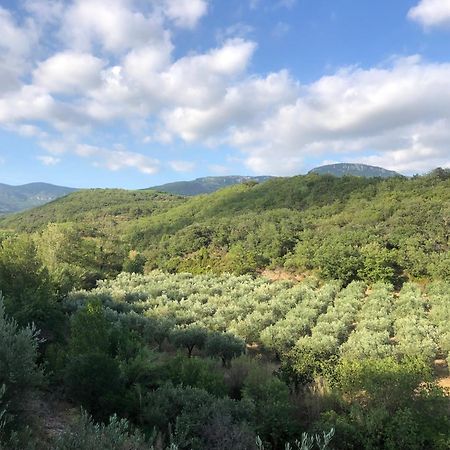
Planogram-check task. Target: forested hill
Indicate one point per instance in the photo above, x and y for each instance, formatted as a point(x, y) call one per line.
point(93, 206)
point(346, 228)
point(206, 185)
point(357, 170)
point(19, 198)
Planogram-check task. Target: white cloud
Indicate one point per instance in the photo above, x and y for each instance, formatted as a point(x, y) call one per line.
point(185, 13)
point(182, 166)
point(48, 160)
point(15, 39)
point(69, 72)
point(45, 11)
point(118, 159)
point(245, 103)
point(118, 67)
point(237, 30)
point(27, 130)
point(431, 13)
point(112, 24)
point(16, 43)
point(28, 103)
point(148, 82)
point(402, 109)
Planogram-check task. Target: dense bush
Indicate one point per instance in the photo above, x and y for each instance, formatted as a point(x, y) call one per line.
point(20, 375)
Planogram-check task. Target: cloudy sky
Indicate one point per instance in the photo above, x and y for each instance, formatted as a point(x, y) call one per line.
point(132, 93)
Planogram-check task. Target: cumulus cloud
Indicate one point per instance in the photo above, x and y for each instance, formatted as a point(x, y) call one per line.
point(244, 104)
point(69, 72)
point(16, 43)
point(113, 25)
point(182, 166)
point(117, 159)
point(117, 66)
point(185, 13)
point(431, 13)
point(45, 11)
point(402, 109)
point(48, 160)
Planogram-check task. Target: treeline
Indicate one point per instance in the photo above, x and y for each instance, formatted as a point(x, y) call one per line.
point(339, 228)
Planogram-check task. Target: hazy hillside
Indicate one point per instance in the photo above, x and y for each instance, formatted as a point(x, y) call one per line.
point(93, 206)
point(357, 170)
point(89, 205)
point(206, 185)
point(19, 198)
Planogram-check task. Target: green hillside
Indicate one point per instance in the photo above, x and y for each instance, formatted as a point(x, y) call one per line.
point(346, 228)
point(93, 206)
point(206, 185)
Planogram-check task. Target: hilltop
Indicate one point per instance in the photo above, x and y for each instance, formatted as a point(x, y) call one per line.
point(18, 198)
point(93, 206)
point(357, 170)
point(341, 227)
point(206, 185)
point(15, 199)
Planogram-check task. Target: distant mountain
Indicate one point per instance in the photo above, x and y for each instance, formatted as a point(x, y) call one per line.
point(206, 185)
point(18, 198)
point(357, 170)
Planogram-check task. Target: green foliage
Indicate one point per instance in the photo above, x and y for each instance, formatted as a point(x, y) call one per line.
point(379, 264)
point(70, 258)
point(87, 435)
point(134, 263)
point(371, 345)
point(94, 381)
point(389, 404)
point(273, 419)
point(224, 346)
point(19, 371)
point(339, 259)
point(20, 374)
point(189, 338)
point(30, 295)
point(198, 419)
point(95, 206)
point(92, 375)
point(347, 228)
point(197, 373)
point(90, 330)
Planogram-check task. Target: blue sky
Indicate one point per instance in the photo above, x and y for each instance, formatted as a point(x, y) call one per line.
point(134, 93)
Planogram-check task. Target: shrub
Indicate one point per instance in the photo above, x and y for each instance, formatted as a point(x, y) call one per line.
point(224, 346)
point(87, 435)
point(20, 375)
point(19, 371)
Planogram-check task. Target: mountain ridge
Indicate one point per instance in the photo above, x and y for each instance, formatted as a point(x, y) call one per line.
point(17, 198)
point(207, 185)
point(355, 169)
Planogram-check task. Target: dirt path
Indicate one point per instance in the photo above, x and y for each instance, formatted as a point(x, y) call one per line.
point(442, 372)
point(50, 415)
